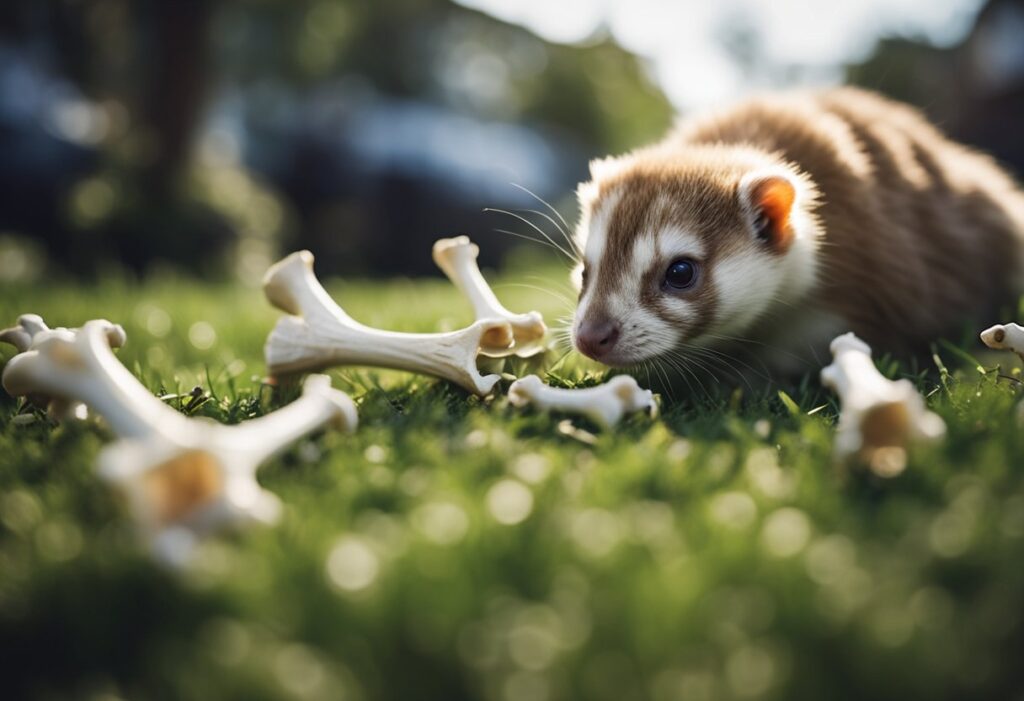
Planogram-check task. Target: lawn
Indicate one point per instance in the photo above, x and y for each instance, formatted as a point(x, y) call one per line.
point(456, 548)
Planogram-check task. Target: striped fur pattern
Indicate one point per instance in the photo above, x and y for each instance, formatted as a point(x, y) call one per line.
point(895, 233)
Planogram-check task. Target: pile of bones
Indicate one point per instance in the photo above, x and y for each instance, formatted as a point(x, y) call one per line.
point(184, 478)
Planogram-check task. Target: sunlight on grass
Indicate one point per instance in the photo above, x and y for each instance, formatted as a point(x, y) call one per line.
point(456, 548)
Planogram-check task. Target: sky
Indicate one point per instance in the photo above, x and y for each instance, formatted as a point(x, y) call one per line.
point(797, 40)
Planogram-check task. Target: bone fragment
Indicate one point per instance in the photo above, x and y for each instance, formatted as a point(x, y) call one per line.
point(184, 477)
point(318, 334)
point(879, 418)
point(604, 404)
point(457, 258)
point(31, 329)
point(1005, 337)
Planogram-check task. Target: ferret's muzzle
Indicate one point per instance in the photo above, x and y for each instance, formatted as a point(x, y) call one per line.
point(596, 337)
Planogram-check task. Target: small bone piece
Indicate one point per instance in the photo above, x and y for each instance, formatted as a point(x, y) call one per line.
point(1005, 337)
point(456, 257)
point(29, 325)
point(32, 329)
point(879, 417)
point(319, 334)
point(605, 404)
point(183, 477)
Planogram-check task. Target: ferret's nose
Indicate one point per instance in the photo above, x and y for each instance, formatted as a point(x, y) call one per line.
point(597, 337)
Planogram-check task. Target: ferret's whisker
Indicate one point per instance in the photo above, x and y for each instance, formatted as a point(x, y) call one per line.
point(727, 360)
point(667, 388)
point(647, 371)
point(565, 228)
point(693, 354)
point(568, 301)
point(564, 285)
point(770, 346)
point(572, 244)
point(676, 370)
point(708, 371)
point(683, 365)
point(524, 236)
point(705, 364)
point(724, 360)
point(535, 228)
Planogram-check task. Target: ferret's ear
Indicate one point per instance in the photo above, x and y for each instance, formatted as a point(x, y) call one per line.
point(768, 199)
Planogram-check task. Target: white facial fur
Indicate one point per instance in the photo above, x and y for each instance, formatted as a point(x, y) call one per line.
point(749, 281)
point(592, 237)
point(644, 333)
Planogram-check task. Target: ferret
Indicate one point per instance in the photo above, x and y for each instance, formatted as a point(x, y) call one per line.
point(766, 229)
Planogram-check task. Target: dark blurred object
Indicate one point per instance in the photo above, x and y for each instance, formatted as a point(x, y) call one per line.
point(974, 91)
point(384, 172)
point(102, 127)
point(206, 133)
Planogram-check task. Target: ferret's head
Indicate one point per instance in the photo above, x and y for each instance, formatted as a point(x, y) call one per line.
point(687, 246)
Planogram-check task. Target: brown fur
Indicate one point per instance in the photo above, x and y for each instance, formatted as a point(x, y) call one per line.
point(697, 191)
point(920, 234)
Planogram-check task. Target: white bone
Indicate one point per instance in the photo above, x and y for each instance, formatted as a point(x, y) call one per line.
point(1005, 337)
point(605, 404)
point(319, 334)
point(879, 418)
point(29, 325)
point(32, 329)
point(456, 257)
point(183, 477)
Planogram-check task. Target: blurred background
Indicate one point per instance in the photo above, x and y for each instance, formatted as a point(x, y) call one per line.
point(212, 135)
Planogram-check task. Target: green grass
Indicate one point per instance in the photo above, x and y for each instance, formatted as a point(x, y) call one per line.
point(715, 553)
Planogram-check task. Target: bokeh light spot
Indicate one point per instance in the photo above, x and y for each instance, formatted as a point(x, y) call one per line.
point(786, 532)
point(352, 565)
point(442, 522)
point(509, 502)
point(202, 335)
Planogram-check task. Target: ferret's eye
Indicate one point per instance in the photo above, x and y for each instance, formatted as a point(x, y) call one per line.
point(681, 274)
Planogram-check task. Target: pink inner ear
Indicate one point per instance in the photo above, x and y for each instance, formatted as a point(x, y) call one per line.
point(774, 196)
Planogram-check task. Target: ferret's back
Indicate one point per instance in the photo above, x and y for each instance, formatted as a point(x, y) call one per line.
point(921, 233)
